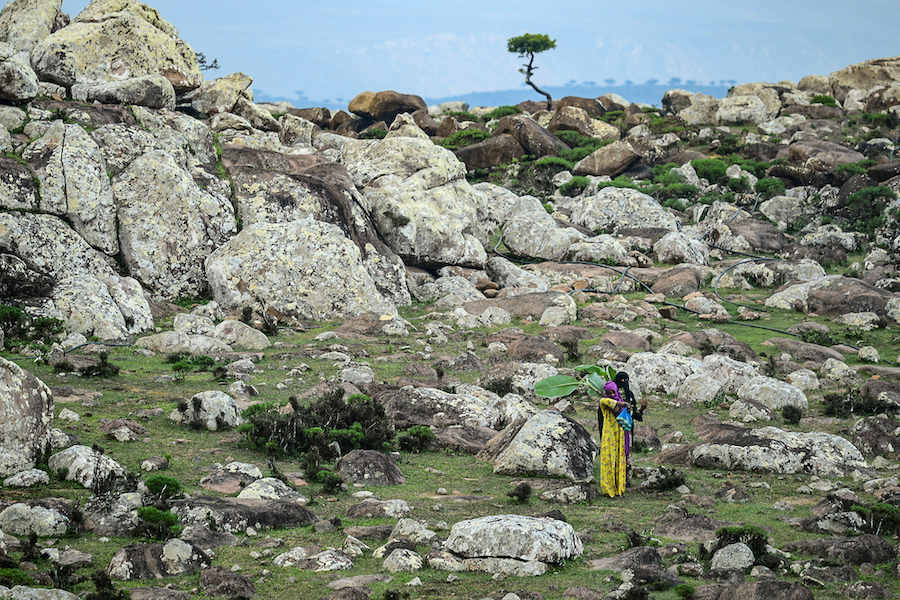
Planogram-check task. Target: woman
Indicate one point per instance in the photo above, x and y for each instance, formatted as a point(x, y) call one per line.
point(612, 443)
point(637, 413)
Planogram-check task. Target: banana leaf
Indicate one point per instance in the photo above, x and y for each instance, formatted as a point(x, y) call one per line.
point(556, 386)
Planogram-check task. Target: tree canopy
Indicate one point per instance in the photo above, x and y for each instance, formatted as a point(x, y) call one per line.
point(528, 45)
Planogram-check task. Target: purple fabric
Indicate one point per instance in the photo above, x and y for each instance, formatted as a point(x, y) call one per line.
point(612, 387)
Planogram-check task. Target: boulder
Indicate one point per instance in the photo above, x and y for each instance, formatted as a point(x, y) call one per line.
point(235, 515)
point(611, 160)
point(86, 466)
point(369, 467)
point(44, 517)
point(522, 538)
point(679, 248)
point(660, 373)
point(241, 336)
point(230, 478)
point(173, 342)
point(168, 225)
point(821, 155)
point(773, 394)
point(110, 41)
point(26, 412)
point(498, 149)
point(855, 550)
point(211, 410)
point(613, 208)
point(411, 406)
point(755, 590)
point(864, 76)
point(317, 273)
point(23, 23)
point(533, 138)
point(742, 110)
point(370, 508)
point(152, 91)
point(146, 561)
point(18, 82)
point(547, 444)
point(539, 236)
point(385, 105)
point(219, 95)
point(574, 118)
point(219, 581)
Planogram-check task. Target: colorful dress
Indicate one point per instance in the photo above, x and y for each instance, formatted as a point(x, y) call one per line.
point(612, 451)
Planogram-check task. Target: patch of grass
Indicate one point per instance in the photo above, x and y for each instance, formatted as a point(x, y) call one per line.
point(464, 138)
point(823, 99)
point(710, 169)
point(574, 186)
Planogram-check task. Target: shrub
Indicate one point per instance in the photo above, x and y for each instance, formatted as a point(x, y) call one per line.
point(552, 164)
point(739, 185)
point(770, 187)
point(845, 404)
point(163, 486)
point(848, 170)
point(574, 186)
point(792, 414)
point(331, 481)
point(105, 588)
point(823, 99)
point(103, 369)
point(11, 577)
point(156, 524)
point(865, 210)
point(416, 438)
point(20, 328)
point(187, 362)
point(685, 591)
point(881, 518)
point(754, 537)
point(710, 169)
point(886, 120)
point(373, 133)
point(464, 138)
point(461, 116)
point(502, 111)
point(521, 494)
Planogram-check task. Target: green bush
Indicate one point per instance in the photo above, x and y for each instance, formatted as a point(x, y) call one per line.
point(357, 422)
point(738, 185)
point(886, 120)
point(770, 187)
point(163, 486)
point(373, 133)
point(502, 111)
point(464, 138)
point(823, 99)
point(416, 438)
point(792, 414)
point(461, 116)
point(103, 369)
point(710, 169)
point(865, 210)
point(851, 403)
point(11, 577)
point(20, 328)
point(156, 524)
point(187, 362)
point(552, 164)
point(574, 186)
point(848, 170)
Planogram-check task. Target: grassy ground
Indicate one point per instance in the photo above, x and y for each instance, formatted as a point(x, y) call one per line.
point(472, 489)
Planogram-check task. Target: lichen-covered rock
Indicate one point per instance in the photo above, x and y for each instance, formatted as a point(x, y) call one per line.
point(213, 410)
point(302, 269)
point(369, 467)
point(45, 517)
point(677, 248)
point(611, 160)
point(411, 406)
point(113, 40)
point(418, 198)
point(618, 208)
point(146, 561)
point(742, 110)
point(18, 82)
point(537, 235)
point(23, 23)
point(235, 515)
point(403, 560)
point(241, 336)
point(86, 466)
point(548, 444)
point(773, 393)
point(152, 91)
point(270, 488)
point(26, 411)
point(662, 373)
point(512, 536)
point(174, 342)
point(219, 95)
point(168, 225)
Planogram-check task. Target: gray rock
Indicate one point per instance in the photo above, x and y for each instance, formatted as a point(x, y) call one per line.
point(733, 556)
point(548, 444)
point(144, 561)
point(86, 466)
point(773, 394)
point(619, 208)
point(403, 560)
point(18, 82)
point(152, 91)
point(213, 410)
point(270, 488)
point(26, 411)
point(513, 536)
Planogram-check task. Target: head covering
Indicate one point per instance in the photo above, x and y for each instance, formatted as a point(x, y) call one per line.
point(622, 380)
point(612, 388)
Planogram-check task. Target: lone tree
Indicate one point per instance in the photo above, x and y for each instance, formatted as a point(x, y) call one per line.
point(529, 45)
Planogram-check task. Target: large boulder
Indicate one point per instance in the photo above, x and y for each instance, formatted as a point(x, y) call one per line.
point(548, 444)
point(410, 406)
point(742, 110)
point(864, 76)
point(660, 373)
point(153, 91)
point(86, 466)
point(112, 40)
point(385, 105)
point(534, 139)
point(521, 538)
point(219, 95)
point(168, 225)
point(315, 273)
point(277, 188)
point(23, 23)
point(613, 208)
point(369, 467)
point(235, 515)
point(18, 82)
point(611, 160)
point(773, 394)
point(496, 150)
point(155, 561)
point(26, 411)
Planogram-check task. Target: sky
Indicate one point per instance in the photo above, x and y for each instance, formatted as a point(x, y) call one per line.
point(325, 52)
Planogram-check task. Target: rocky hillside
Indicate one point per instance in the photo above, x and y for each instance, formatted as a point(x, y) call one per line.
point(739, 257)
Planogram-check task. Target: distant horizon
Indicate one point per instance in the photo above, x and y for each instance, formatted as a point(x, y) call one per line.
point(649, 92)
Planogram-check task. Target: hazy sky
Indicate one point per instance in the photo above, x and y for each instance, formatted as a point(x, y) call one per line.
point(335, 49)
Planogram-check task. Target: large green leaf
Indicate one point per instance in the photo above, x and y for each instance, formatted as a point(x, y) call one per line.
point(556, 386)
point(607, 372)
point(594, 383)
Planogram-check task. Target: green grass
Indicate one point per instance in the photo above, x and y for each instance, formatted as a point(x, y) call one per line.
point(473, 489)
